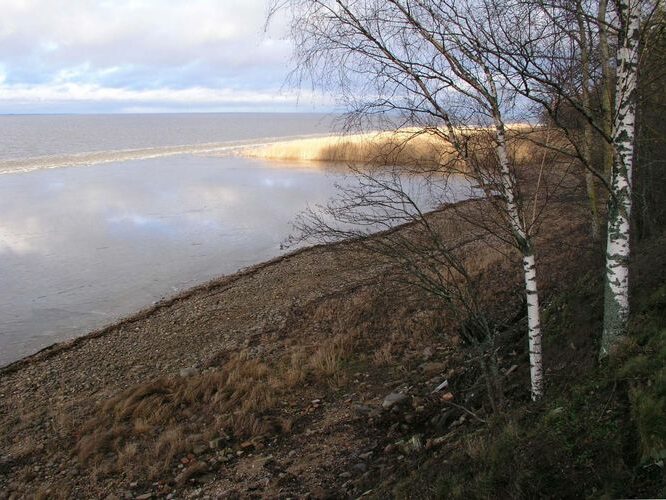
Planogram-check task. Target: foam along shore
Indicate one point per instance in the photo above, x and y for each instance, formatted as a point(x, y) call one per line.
point(406, 146)
point(87, 158)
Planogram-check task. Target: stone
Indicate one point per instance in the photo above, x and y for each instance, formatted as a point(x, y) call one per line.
point(361, 408)
point(206, 478)
point(188, 372)
point(448, 396)
point(360, 467)
point(145, 496)
point(393, 399)
point(431, 369)
point(345, 475)
point(199, 449)
point(215, 443)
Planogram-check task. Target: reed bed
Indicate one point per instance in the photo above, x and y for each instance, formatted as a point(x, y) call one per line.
point(408, 147)
point(402, 147)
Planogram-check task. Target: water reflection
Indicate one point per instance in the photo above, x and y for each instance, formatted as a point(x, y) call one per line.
point(82, 246)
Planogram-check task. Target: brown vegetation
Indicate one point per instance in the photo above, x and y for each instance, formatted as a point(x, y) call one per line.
point(410, 147)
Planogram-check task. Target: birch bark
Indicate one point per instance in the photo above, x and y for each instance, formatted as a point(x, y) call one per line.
point(616, 299)
point(525, 244)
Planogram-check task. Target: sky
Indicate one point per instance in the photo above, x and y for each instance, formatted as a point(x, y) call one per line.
point(125, 56)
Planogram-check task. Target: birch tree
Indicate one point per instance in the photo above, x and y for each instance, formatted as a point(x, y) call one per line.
point(423, 59)
point(616, 297)
point(535, 41)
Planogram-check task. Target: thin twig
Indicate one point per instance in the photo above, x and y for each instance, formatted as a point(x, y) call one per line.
point(469, 412)
point(607, 402)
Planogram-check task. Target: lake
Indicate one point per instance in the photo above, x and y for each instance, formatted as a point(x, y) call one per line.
point(101, 216)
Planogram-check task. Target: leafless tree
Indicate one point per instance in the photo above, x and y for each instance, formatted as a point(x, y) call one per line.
point(387, 210)
point(539, 43)
point(423, 60)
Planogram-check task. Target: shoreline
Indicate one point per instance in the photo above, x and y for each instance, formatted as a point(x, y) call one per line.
point(299, 350)
point(100, 157)
point(206, 286)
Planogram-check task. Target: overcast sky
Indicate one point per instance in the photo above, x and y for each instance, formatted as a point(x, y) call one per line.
point(82, 56)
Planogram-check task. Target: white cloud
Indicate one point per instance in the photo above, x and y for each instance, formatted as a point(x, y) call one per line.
point(193, 95)
point(155, 52)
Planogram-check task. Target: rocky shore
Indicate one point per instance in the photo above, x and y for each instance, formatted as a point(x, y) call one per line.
point(310, 375)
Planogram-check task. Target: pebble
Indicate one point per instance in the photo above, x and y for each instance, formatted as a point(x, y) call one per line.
point(360, 467)
point(361, 408)
point(392, 399)
point(215, 443)
point(431, 368)
point(188, 372)
point(448, 396)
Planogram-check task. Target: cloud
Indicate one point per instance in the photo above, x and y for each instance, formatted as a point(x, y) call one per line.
point(18, 238)
point(150, 54)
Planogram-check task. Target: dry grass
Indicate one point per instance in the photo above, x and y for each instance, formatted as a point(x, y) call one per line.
point(154, 422)
point(295, 371)
point(328, 357)
point(24, 448)
point(144, 431)
point(379, 148)
point(384, 355)
point(409, 147)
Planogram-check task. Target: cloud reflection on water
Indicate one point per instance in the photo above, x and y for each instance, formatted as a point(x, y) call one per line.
point(81, 246)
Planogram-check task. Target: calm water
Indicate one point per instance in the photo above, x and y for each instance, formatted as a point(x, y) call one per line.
point(30, 142)
point(83, 245)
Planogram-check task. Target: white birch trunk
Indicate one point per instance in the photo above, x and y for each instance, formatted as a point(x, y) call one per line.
point(524, 243)
point(534, 326)
point(616, 300)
